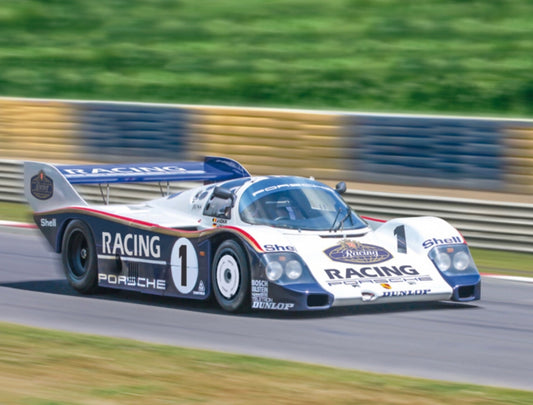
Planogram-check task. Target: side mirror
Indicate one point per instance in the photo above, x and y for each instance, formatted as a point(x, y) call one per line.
point(222, 193)
point(340, 188)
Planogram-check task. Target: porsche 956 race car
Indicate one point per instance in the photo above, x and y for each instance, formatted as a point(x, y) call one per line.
point(269, 242)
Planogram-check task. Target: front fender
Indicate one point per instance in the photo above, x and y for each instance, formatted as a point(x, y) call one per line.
point(418, 234)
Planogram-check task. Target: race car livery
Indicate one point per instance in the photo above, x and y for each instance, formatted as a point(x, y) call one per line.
point(268, 242)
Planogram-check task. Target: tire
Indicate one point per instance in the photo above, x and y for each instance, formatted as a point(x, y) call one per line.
point(78, 252)
point(230, 276)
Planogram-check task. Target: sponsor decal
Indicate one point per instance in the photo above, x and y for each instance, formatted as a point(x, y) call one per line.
point(41, 186)
point(372, 272)
point(48, 223)
point(383, 275)
point(129, 281)
point(201, 289)
point(131, 244)
point(288, 186)
point(219, 221)
point(279, 248)
point(405, 293)
point(261, 300)
point(411, 280)
point(348, 251)
point(446, 241)
point(259, 290)
point(279, 306)
point(111, 171)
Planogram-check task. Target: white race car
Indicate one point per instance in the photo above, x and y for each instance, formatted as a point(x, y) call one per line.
point(269, 242)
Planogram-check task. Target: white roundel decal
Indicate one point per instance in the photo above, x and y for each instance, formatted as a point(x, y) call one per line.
point(184, 265)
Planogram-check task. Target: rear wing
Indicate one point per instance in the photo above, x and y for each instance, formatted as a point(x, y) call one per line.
point(48, 186)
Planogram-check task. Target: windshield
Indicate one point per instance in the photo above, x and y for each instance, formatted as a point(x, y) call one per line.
point(296, 203)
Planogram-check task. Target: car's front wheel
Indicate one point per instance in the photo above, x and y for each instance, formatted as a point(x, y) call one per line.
point(230, 277)
point(79, 257)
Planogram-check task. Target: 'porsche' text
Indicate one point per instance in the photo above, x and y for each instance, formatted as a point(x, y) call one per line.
point(128, 281)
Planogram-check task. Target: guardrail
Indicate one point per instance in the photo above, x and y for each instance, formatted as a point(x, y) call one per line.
point(11, 181)
point(485, 224)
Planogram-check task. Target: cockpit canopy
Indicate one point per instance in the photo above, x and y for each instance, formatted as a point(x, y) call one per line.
point(296, 203)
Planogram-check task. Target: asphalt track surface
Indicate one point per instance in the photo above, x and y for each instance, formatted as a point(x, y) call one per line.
point(488, 342)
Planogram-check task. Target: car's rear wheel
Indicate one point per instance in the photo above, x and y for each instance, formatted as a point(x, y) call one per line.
point(79, 257)
point(230, 277)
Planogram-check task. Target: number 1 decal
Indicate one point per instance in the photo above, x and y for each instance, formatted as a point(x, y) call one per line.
point(399, 232)
point(183, 256)
point(184, 265)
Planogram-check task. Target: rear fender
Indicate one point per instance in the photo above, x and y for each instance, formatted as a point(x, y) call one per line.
point(53, 225)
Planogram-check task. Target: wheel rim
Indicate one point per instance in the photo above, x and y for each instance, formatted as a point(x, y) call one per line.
point(228, 276)
point(78, 254)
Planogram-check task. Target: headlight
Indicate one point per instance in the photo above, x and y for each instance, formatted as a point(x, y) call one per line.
point(285, 268)
point(293, 269)
point(453, 259)
point(274, 270)
point(443, 261)
point(461, 261)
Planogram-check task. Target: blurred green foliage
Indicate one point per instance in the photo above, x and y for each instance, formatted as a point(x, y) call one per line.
point(452, 56)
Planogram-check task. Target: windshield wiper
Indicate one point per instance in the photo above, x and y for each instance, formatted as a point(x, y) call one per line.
point(335, 220)
point(341, 224)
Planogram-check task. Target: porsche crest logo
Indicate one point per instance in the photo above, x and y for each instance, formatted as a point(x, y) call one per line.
point(349, 251)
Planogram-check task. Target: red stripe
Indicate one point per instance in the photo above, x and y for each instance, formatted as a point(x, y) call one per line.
point(246, 235)
point(373, 219)
point(153, 225)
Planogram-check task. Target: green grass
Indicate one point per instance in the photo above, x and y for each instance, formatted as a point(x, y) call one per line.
point(15, 212)
point(445, 56)
point(500, 262)
point(46, 367)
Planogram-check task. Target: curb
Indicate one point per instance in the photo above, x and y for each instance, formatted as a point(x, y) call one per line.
point(509, 278)
point(14, 224)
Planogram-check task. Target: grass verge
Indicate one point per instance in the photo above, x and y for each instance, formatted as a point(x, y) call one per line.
point(43, 367)
point(15, 212)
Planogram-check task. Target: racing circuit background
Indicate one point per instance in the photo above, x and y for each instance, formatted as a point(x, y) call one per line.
point(477, 173)
point(437, 151)
point(486, 159)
